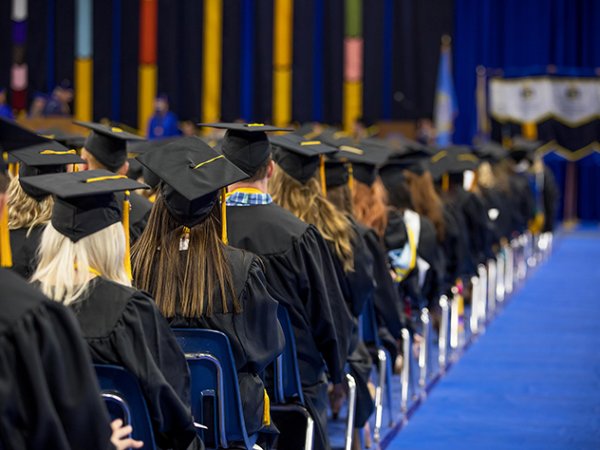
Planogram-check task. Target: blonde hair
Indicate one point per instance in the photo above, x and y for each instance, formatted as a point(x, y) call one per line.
point(308, 203)
point(64, 268)
point(370, 205)
point(25, 211)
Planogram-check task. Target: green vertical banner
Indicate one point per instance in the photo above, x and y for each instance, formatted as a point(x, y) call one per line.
point(353, 64)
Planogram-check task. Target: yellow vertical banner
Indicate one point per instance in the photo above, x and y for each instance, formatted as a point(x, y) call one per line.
point(529, 130)
point(83, 89)
point(146, 94)
point(282, 61)
point(352, 103)
point(212, 63)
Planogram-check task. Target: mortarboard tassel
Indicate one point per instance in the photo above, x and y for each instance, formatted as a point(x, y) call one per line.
point(126, 208)
point(266, 410)
point(322, 174)
point(445, 183)
point(13, 168)
point(5, 251)
point(224, 216)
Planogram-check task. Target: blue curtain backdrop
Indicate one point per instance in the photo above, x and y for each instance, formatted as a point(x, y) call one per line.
point(523, 37)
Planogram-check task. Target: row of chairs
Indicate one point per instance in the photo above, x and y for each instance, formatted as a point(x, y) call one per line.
point(494, 282)
point(216, 401)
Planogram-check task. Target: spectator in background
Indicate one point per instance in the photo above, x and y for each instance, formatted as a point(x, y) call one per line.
point(5, 109)
point(189, 128)
point(164, 122)
point(59, 102)
point(38, 105)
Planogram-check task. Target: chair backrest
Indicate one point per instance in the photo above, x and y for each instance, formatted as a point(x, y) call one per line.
point(125, 400)
point(213, 372)
point(288, 386)
point(368, 324)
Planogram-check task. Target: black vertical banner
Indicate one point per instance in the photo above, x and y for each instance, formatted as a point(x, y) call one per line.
point(102, 46)
point(263, 65)
point(373, 38)
point(190, 41)
point(303, 61)
point(65, 40)
point(130, 50)
point(36, 54)
point(333, 65)
point(168, 51)
point(231, 57)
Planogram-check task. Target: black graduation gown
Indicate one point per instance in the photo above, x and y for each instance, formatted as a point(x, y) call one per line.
point(122, 326)
point(429, 250)
point(455, 250)
point(24, 248)
point(389, 309)
point(255, 335)
point(523, 203)
point(551, 195)
point(49, 396)
point(301, 275)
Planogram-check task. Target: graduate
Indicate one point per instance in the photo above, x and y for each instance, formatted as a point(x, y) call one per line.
point(42, 402)
point(82, 264)
point(299, 268)
point(30, 209)
point(296, 188)
point(427, 277)
point(220, 288)
point(389, 312)
point(106, 148)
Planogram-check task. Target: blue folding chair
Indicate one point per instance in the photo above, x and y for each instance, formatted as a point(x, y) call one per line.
point(288, 396)
point(214, 387)
point(124, 400)
point(370, 335)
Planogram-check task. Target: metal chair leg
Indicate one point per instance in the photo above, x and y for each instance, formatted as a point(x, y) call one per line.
point(424, 349)
point(474, 318)
point(405, 369)
point(382, 367)
point(388, 388)
point(491, 287)
point(443, 334)
point(500, 265)
point(310, 434)
point(351, 411)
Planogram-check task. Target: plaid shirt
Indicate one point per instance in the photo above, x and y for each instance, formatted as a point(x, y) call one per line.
point(238, 198)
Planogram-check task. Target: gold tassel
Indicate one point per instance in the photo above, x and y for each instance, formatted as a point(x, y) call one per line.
point(322, 174)
point(445, 183)
point(266, 410)
point(13, 168)
point(5, 251)
point(351, 177)
point(224, 216)
point(126, 208)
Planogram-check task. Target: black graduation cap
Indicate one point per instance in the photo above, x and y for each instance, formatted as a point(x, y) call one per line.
point(69, 140)
point(41, 159)
point(452, 160)
point(523, 148)
point(336, 173)
point(14, 136)
point(135, 148)
point(391, 172)
point(108, 144)
point(365, 160)
point(85, 201)
point(192, 175)
point(490, 151)
point(337, 138)
point(300, 157)
point(246, 144)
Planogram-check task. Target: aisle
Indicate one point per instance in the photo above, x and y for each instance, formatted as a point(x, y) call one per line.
point(532, 381)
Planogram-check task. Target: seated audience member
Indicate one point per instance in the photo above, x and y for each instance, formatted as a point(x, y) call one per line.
point(197, 280)
point(81, 265)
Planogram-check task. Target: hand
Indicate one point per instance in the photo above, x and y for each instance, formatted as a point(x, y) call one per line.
point(119, 436)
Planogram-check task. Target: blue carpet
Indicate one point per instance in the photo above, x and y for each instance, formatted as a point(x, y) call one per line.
point(532, 381)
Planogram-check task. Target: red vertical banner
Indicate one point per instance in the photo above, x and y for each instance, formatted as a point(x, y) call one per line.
point(147, 69)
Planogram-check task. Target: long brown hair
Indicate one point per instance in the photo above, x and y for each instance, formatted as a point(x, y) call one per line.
point(341, 197)
point(190, 279)
point(308, 203)
point(426, 201)
point(370, 205)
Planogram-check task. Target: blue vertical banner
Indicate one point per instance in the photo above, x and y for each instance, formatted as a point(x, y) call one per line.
point(445, 108)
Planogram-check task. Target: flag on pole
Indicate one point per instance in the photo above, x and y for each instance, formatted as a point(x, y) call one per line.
point(445, 108)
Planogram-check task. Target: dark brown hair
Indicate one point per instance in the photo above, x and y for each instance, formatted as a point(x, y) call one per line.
point(189, 278)
point(260, 173)
point(341, 197)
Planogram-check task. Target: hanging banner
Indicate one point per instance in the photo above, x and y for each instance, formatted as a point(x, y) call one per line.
point(564, 112)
